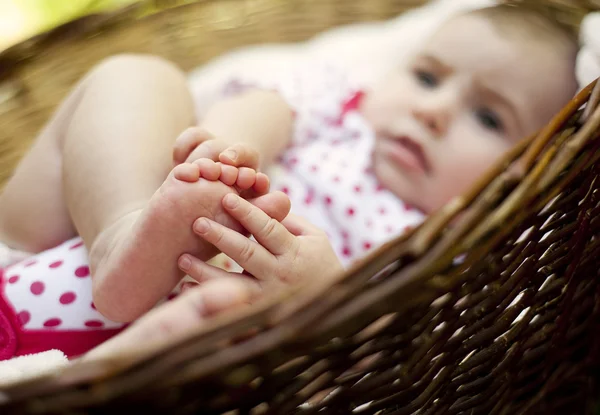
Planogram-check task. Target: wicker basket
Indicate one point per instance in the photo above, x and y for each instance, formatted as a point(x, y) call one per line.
point(498, 313)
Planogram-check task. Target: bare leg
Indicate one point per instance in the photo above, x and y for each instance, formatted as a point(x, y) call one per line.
point(33, 212)
point(103, 154)
point(109, 149)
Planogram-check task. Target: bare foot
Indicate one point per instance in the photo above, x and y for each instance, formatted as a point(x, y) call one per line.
point(134, 261)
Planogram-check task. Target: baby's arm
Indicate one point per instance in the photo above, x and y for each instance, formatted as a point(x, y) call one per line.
point(286, 252)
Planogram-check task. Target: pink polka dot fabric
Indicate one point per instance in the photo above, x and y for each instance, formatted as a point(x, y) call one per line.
point(327, 171)
point(46, 303)
point(54, 289)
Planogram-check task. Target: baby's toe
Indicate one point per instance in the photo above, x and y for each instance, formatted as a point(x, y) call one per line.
point(209, 170)
point(187, 172)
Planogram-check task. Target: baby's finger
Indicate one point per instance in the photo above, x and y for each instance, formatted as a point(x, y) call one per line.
point(267, 231)
point(297, 226)
point(247, 253)
point(276, 204)
point(240, 155)
point(246, 178)
point(202, 272)
point(187, 141)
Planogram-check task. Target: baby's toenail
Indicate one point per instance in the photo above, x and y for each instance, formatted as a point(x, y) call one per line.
point(231, 154)
point(201, 226)
point(185, 263)
point(230, 201)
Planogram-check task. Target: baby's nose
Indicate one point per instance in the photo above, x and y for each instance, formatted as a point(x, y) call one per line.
point(435, 120)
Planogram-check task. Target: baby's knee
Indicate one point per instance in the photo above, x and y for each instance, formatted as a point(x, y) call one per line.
point(129, 64)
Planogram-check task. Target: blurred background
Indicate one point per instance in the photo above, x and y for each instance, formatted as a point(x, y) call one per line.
point(20, 19)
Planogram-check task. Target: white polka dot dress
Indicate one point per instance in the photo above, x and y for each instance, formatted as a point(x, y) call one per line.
point(327, 170)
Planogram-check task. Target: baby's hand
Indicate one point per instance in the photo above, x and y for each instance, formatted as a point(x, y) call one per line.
point(285, 252)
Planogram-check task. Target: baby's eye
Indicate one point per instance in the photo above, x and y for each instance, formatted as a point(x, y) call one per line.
point(427, 79)
point(489, 119)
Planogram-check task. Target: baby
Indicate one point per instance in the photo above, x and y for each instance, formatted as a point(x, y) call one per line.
point(360, 163)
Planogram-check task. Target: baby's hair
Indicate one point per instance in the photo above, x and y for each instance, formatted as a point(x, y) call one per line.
point(533, 23)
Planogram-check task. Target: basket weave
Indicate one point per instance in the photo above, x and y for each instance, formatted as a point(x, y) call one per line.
point(492, 306)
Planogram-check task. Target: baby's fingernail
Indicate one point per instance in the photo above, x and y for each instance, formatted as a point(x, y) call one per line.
point(230, 154)
point(201, 226)
point(230, 201)
point(185, 263)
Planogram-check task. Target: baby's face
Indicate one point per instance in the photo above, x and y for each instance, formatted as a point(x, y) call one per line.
point(465, 99)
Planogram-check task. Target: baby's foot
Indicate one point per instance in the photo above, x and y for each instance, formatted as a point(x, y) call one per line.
point(134, 262)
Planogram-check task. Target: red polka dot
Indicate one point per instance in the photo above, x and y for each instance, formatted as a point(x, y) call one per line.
point(309, 198)
point(171, 296)
point(346, 251)
point(382, 211)
point(328, 200)
point(389, 229)
point(30, 263)
point(409, 207)
point(357, 189)
point(67, 298)
point(285, 190)
point(350, 211)
point(53, 322)
point(82, 271)
point(314, 168)
point(379, 188)
point(337, 179)
point(367, 245)
point(94, 323)
point(345, 235)
point(13, 279)
point(55, 264)
point(368, 170)
point(93, 306)
point(24, 317)
point(37, 288)
point(77, 245)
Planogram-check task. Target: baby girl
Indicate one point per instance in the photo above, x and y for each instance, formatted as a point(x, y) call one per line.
point(360, 163)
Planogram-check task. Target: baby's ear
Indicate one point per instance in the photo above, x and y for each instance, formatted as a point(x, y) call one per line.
point(588, 58)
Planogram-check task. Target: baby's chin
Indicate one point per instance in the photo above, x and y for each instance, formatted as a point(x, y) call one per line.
point(395, 181)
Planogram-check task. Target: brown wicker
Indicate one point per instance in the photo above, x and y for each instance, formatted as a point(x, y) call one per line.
point(491, 307)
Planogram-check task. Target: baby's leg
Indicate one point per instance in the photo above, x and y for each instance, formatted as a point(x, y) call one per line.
point(33, 213)
point(103, 154)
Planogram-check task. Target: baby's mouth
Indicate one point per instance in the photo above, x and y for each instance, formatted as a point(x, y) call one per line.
point(410, 153)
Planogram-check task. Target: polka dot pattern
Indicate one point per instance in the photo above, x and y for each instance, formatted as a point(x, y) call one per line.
point(328, 172)
point(37, 288)
point(52, 291)
point(67, 298)
point(82, 272)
